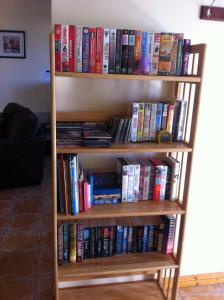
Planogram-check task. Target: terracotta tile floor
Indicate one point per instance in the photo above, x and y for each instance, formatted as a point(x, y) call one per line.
point(25, 252)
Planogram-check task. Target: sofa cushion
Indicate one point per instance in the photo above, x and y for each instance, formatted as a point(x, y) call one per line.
point(20, 122)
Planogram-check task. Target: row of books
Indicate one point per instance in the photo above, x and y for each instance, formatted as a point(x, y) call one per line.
point(76, 242)
point(134, 180)
point(149, 179)
point(120, 129)
point(87, 134)
point(149, 118)
point(109, 50)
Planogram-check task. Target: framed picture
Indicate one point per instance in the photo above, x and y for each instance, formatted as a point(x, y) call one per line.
point(12, 44)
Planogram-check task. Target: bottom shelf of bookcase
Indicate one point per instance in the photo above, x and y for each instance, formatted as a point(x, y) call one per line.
point(138, 290)
point(115, 265)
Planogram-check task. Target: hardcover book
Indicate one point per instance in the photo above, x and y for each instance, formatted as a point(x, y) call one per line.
point(112, 51)
point(85, 50)
point(124, 59)
point(106, 39)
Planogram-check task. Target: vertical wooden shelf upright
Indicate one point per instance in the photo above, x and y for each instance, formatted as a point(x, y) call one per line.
point(166, 268)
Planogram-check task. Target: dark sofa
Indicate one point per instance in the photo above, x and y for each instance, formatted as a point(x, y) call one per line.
point(22, 147)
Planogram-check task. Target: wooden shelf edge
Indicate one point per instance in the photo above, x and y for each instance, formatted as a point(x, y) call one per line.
point(129, 147)
point(192, 78)
point(136, 209)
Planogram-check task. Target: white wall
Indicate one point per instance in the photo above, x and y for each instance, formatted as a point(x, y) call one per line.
point(22, 80)
point(204, 243)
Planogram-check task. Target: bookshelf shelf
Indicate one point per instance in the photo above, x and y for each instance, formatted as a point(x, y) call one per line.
point(192, 79)
point(131, 148)
point(141, 208)
point(116, 265)
point(162, 266)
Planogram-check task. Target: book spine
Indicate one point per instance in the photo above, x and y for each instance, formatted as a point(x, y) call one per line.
point(169, 125)
point(160, 237)
point(124, 183)
point(64, 48)
point(106, 40)
point(134, 239)
point(112, 241)
point(155, 237)
point(168, 181)
point(119, 239)
point(140, 232)
point(147, 113)
point(75, 206)
point(65, 243)
point(145, 245)
point(112, 50)
point(79, 243)
point(118, 55)
point(99, 241)
point(86, 243)
point(89, 196)
point(79, 30)
point(60, 243)
point(155, 57)
point(92, 50)
point(125, 240)
point(164, 116)
point(106, 241)
point(124, 59)
point(180, 45)
point(140, 121)
point(99, 49)
point(141, 182)
point(152, 128)
point(146, 183)
point(157, 184)
point(85, 195)
point(72, 237)
point(63, 181)
point(130, 239)
point(85, 50)
point(159, 112)
point(174, 181)
point(181, 122)
point(131, 48)
point(170, 235)
point(144, 62)
point(131, 173)
point(166, 41)
point(173, 67)
point(80, 189)
point(57, 41)
point(137, 51)
point(151, 181)
point(136, 181)
point(151, 46)
point(93, 242)
point(186, 55)
point(151, 238)
point(134, 122)
point(72, 52)
point(60, 202)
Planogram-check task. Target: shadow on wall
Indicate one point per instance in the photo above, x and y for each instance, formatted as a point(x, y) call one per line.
point(36, 96)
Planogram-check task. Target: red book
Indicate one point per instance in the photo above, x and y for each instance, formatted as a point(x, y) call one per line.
point(81, 202)
point(159, 180)
point(99, 49)
point(71, 48)
point(92, 50)
point(57, 40)
point(85, 192)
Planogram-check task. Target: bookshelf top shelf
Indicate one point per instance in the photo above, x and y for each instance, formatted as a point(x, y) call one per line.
point(192, 78)
point(141, 208)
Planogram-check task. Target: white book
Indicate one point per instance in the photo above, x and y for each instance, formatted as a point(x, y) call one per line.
point(106, 44)
point(152, 127)
point(131, 174)
point(134, 121)
point(136, 178)
point(79, 30)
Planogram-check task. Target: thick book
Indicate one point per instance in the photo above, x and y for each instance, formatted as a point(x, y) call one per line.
point(71, 48)
point(169, 233)
point(60, 243)
point(74, 184)
point(119, 239)
point(144, 65)
point(106, 41)
point(79, 35)
point(99, 49)
point(152, 126)
point(65, 243)
point(141, 108)
point(151, 46)
point(124, 59)
point(131, 178)
point(92, 50)
point(137, 51)
point(179, 120)
point(145, 244)
point(72, 244)
point(106, 241)
point(131, 46)
point(173, 67)
point(79, 243)
point(174, 164)
point(58, 52)
point(180, 45)
point(155, 57)
point(166, 42)
point(86, 243)
point(159, 111)
point(134, 122)
point(85, 50)
point(160, 179)
point(186, 55)
point(170, 116)
point(112, 50)
point(146, 124)
point(164, 116)
point(118, 55)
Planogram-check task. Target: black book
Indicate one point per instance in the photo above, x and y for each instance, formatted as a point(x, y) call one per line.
point(124, 60)
point(118, 54)
point(131, 46)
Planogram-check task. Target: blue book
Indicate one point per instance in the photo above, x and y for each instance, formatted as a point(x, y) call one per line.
point(145, 247)
point(119, 239)
point(74, 192)
point(125, 239)
point(159, 113)
point(85, 50)
point(145, 44)
point(151, 237)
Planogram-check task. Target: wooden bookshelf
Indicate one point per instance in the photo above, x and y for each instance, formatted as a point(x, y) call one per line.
point(192, 79)
point(141, 208)
point(129, 147)
point(161, 265)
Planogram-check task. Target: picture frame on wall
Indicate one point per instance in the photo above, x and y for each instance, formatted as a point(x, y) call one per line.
point(12, 44)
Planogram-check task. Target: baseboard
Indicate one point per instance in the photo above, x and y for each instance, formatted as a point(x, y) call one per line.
point(201, 279)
